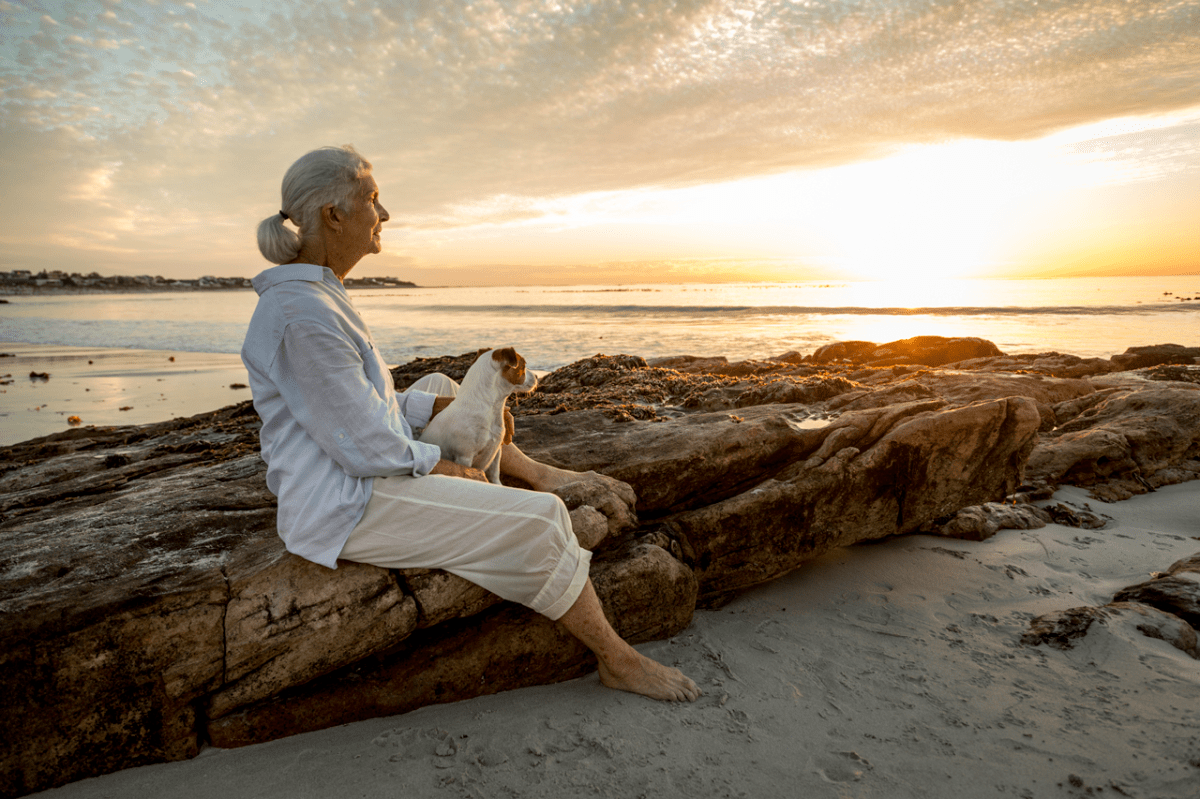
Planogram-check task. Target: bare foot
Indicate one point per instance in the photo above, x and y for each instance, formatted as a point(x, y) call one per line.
point(623, 490)
point(589, 525)
point(621, 666)
point(640, 675)
point(614, 498)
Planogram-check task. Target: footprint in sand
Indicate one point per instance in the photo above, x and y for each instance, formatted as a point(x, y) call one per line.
point(413, 744)
point(837, 767)
point(873, 613)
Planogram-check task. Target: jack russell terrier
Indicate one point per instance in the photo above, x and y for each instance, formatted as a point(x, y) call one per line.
point(470, 430)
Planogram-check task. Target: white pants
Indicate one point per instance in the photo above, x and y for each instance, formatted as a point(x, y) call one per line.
point(517, 544)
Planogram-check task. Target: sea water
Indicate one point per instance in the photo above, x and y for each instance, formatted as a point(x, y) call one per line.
point(556, 325)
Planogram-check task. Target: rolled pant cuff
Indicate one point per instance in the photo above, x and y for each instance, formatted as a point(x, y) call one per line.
point(564, 586)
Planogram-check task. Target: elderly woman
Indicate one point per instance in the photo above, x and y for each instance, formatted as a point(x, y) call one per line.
point(352, 480)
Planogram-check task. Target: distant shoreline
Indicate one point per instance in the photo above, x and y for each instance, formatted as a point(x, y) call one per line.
point(128, 285)
point(34, 291)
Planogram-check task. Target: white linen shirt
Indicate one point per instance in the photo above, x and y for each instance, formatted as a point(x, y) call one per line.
point(331, 418)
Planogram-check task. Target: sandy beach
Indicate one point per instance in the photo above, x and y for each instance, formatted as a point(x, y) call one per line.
point(109, 387)
point(885, 670)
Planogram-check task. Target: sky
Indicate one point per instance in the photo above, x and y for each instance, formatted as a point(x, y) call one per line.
point(556, 142)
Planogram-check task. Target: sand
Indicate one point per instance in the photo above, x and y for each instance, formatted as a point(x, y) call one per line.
point(886, 670)
point(109, 387)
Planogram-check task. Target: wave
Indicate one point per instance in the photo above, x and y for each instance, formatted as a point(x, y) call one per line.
point(816, 310)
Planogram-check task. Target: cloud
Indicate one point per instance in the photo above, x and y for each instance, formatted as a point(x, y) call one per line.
point(1140, 152)
point(31, 93)
point(476, 112)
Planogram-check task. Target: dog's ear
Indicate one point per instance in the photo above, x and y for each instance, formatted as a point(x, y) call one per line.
point(512, 365)
point(506, 357)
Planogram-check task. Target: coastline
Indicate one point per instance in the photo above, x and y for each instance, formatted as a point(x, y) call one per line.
point(37, 291)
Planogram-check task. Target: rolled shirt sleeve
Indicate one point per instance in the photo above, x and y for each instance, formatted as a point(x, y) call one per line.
point(417, 408)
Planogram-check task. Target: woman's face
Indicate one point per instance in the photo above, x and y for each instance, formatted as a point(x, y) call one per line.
point(365, 221)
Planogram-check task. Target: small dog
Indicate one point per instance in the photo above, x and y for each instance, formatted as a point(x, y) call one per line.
point(470, 430)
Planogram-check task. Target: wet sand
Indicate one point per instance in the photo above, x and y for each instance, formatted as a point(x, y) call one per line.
point(887, 670)
point(109, 387)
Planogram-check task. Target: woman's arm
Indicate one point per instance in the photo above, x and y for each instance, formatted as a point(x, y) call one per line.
point(452, 469)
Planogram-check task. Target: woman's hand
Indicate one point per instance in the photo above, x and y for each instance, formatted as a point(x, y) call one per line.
point(439, 405)
point(508, 427)
point(452, 469)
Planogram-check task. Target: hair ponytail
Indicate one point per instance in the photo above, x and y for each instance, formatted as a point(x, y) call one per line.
point(277, 243)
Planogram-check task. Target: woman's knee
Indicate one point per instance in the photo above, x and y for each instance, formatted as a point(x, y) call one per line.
point(436, 383)
point(555, 511)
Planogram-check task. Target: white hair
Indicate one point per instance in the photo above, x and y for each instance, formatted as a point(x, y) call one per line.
point(323, 176)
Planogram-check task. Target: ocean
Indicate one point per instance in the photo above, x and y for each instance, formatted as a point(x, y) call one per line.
point(556, 325)
point(120, 359)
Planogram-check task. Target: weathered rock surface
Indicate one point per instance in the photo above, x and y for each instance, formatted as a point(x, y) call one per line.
point(1185, 565)
point(1166, 607)
point(924, 350)
point(1142, 357)
point(286, 621)
point(753, 496)
point(1062, 629)
point(981, 522)
point(1177, 594)
point(873, 474)
point(1135, 439)
point(1054, 364)
point(147, 605)
point(647, 595)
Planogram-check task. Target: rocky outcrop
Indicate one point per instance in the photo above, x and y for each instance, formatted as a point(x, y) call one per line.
point(1129, 439)
point(646, 593)
point(1176, 591)
point(1166, 607)
point(1062, 629)
point(147, 605)
point(1019, 512)
point(981, 522)
point(751, 496)
point(979, 355)
point(923, 350)
point(1054, 364)
point(1142, 357)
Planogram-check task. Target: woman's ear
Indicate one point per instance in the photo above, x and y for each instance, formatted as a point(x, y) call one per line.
point(331, 217)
